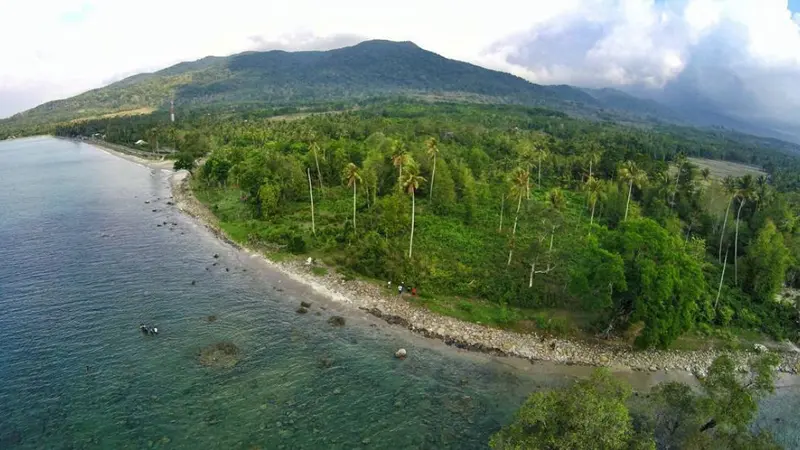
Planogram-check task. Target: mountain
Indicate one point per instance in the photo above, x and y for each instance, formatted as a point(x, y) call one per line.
point(368, 69)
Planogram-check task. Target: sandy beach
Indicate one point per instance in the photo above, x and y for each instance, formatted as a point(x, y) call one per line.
point(373, 300)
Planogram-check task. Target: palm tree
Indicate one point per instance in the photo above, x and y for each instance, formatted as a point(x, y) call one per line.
point(433, 150)
point(315, 150)
point(705, 172)
point(401, 158)
point(519, 183)
point(631, 174)
point(541, 154)
point(595, 190)
point(680, 160)
point(763, 192)
point(153, 137)
point(311, 194)
point(352, 176)
point(592, 156)
point(527, 157)
point(729, 183)
point(411, 183)
point(744, 192)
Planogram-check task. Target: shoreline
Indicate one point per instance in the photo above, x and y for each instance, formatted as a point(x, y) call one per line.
point(128, 155)
point(373, 300)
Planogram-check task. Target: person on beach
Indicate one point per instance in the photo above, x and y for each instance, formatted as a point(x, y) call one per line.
point(400, 289)
point(389, 284)
point(414, 291)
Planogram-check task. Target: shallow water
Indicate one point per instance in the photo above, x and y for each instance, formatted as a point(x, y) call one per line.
point(83, 262)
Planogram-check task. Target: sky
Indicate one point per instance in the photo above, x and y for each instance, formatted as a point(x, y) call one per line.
point(741, 55)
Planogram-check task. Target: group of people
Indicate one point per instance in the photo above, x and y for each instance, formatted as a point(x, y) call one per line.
point(402, 288)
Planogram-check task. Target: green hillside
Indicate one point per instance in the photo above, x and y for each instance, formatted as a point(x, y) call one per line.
point(372, 68)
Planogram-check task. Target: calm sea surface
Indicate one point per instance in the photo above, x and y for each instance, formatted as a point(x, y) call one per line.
point(83, 262)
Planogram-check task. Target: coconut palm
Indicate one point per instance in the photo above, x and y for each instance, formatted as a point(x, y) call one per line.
point(633, 175)
point(595, 190)
point(729, 184)
point(541, 154)
point(592, 156)
point(315, 149)
point(433, 150)
point(401, 158)
point(527, 157)
point(352, 177)
point(705, 173)
point(311, 195)
point(519, 183)
point(680, 160)
point(745, 191)
point(410, 184)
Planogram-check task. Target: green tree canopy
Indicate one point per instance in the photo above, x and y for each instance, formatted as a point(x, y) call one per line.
point(666, 286)
point(591, 414)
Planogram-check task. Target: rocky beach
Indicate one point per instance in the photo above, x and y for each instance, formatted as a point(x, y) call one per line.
point(395, 310)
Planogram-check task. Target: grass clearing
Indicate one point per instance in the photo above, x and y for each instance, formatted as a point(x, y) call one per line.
point(721, 169)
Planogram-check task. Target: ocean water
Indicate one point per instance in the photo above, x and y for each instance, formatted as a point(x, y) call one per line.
point(83, 262)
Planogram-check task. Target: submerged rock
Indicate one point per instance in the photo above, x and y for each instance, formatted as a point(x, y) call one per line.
point(301, 310)
point(222, 355)
point(337, 321)
point(211, 318)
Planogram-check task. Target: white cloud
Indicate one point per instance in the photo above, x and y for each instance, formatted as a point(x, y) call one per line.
point(61, 47)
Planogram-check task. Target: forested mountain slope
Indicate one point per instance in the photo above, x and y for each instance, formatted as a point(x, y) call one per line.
point(371, 68)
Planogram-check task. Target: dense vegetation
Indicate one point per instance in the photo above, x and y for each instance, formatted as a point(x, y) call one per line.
point(309, 78)
point(505, 214)
point(600, 413)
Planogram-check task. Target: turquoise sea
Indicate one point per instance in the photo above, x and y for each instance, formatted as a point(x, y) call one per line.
point(83, 262)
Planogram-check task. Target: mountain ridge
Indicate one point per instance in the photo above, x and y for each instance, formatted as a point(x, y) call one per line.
point(276, 77)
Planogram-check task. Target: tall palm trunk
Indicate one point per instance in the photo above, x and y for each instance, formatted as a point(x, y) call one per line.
point(354, 206)
point(433, 175)
point(722, 233)
point(590, 168)
point(413, 209)
point(514, 230)
point(319, 173)
point(528, 183)
point(591, 218)
point(502, 207)
point(675, 191)
point(539, 178)
point(628, 203)
point(722, 277)
point(736, 246)
point(311, 194)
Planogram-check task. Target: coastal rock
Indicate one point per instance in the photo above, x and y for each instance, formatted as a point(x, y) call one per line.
point(305, 304)
point(216, 255)
point(760, 348)
point(220, 355)
point(301, 310)
point(400, 354)
point(337, 321)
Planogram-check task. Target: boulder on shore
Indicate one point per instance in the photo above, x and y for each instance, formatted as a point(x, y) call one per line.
point(337, 321)
point(301, 310)
point(400, 354)
point(305, 304)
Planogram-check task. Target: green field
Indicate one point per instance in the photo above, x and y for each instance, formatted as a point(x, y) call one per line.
point(721, 169)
